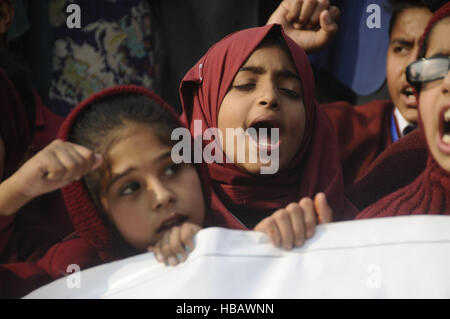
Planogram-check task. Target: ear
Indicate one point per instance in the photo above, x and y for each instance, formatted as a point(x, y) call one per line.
point(6, 15)
point(105, 204)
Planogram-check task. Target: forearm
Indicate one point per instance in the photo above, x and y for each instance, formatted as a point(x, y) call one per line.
point(11, 198)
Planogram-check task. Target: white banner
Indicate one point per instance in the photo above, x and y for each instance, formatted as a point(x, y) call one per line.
point(399, 257)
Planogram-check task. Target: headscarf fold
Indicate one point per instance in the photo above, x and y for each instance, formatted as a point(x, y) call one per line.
point(316, 166)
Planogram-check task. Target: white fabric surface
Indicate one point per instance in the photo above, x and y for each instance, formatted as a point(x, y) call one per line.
point(399, 257)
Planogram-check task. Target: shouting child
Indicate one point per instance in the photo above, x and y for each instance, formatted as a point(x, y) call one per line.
point(259, 81)
point(429, 192)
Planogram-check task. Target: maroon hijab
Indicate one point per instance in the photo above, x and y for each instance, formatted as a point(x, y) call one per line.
point(316, 166)
point(429, 193)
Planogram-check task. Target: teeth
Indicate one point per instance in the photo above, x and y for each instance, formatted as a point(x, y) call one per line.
point(409, 90)
point(412, 98)
point(446, 139)
point(447, 116)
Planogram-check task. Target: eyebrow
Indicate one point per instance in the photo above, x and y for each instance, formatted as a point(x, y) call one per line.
point(284, 73)
point(252, 69)
point(441, 53)
point(288, 74)
point(402, 42)
point(116, 177)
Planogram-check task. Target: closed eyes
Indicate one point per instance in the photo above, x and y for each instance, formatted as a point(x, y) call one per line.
point(250, 86)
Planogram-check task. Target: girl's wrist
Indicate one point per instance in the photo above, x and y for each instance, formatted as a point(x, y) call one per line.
point(11, 197)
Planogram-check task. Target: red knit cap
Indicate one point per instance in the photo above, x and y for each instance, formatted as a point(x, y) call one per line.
point(82, 211)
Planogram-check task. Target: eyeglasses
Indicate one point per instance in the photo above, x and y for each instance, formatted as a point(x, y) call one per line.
point(427, 69)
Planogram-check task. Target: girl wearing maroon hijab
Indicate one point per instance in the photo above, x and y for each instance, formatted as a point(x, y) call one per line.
point(430, 192)
point(260, 78)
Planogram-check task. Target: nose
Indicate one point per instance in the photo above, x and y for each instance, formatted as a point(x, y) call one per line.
point(411, 58)
point(163, 197)
point(268, 95)
point(446, 83)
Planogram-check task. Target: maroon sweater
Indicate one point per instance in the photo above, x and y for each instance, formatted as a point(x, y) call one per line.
point(363, 133)
point(417, 188)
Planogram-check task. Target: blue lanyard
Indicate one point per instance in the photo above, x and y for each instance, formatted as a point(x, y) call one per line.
point(394, 133)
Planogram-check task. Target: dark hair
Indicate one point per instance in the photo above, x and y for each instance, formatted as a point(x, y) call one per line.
point(398, 6)
point(274, 38)
point(100, 123)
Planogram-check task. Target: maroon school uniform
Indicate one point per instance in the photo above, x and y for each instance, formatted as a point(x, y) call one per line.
point(395, 167)
point(19, 279)
point(363, 131)
point(47, 124)
point(25, 236)
point(427, 194)
point(28, 234)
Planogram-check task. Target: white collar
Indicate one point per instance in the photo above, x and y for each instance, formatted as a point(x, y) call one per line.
point(402, 123)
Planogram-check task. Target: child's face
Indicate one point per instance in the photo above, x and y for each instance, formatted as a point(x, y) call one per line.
point(145, 193)
point(435, 100)
point(403, 48)
point(266, 92)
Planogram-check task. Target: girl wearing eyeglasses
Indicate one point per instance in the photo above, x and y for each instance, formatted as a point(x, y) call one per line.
point(430, 192)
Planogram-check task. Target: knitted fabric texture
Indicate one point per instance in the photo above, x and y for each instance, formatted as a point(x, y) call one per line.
point(429, 193)
point(81, 209)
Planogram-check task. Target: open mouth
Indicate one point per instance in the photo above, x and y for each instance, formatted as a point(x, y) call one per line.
point(444, 125)
point(171, 221)
point(264, 128)
point(410, 98)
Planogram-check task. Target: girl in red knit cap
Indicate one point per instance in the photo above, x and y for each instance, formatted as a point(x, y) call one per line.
point(430, 191)
point(123, 192)
point(139, 199)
